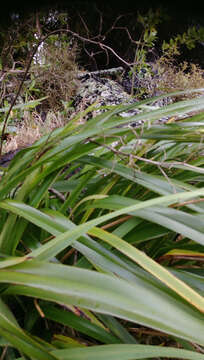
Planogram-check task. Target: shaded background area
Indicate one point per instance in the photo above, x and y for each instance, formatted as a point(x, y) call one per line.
point(89, 18)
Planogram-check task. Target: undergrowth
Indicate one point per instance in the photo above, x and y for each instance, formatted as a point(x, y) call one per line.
point(171, 77)
point(54, 74)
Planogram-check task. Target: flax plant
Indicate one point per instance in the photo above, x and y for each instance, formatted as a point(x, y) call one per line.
point(101, 239)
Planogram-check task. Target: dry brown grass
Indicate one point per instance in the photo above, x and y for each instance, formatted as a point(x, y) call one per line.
point(57, 77)
point(171, 77)
point(32, 128)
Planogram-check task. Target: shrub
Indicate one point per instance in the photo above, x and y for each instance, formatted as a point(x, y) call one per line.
point(171, 77)
point(54, 74)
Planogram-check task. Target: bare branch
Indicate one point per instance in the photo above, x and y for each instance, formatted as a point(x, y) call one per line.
point(153, 162)
point(100, 21)
point(84, 24)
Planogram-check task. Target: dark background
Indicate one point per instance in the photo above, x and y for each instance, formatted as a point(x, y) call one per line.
point(179, 7)
point(181, 15)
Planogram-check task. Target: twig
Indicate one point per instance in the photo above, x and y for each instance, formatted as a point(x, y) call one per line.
point(168, 179)
point(58, 194)
point(147, 332)
point(100, 22)
point(67, 255)
point(116, 222)
point(38, 308)
point(175, 257)
point(98, 43)
point(84, 23)
point(199, 348)
point(4, 351)
point(195, 201)
point(153, 162)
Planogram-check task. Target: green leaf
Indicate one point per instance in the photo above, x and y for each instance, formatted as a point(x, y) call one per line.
point(11, 331)
point(178, 221)
point(58, 244)
point(151, 266)
point(80, 324)
point(126, 352)
point(105, 294)
point(6, 261)
point(27, 105)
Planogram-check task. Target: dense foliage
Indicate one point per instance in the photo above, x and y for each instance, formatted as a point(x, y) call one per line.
point(101, 223)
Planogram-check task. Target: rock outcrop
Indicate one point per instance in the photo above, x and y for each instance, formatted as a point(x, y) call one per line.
point(100, 88)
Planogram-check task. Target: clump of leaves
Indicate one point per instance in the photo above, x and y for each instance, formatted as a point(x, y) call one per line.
point(140, 71)
point(189, 39)
point(163, 75)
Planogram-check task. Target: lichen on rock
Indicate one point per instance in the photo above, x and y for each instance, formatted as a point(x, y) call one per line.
point(102, 91)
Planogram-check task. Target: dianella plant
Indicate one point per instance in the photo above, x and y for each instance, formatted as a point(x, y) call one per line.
point(101, 238)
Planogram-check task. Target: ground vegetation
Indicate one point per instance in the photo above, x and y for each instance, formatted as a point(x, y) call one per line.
point(101, 222)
